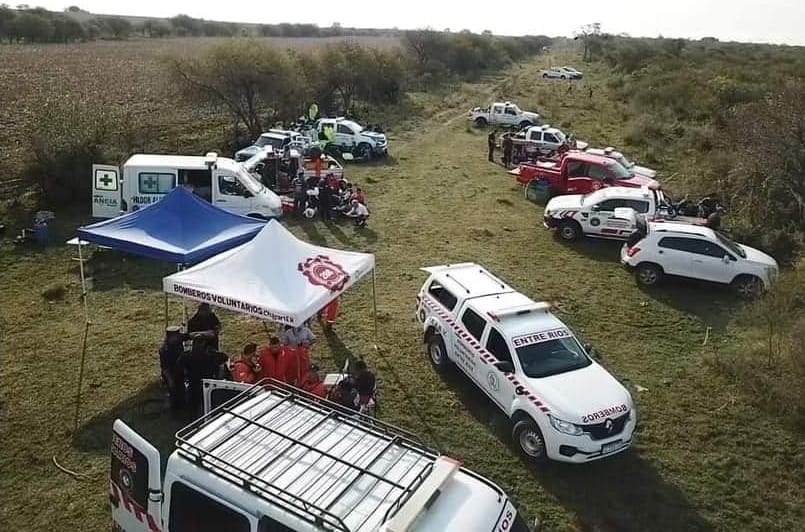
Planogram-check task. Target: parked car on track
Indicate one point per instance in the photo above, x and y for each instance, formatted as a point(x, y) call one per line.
point(580, 173)
point(658, 249)
point(601, 213)
point(621, 158)
point(563, 405)
point(502, 114)
point(562, 72)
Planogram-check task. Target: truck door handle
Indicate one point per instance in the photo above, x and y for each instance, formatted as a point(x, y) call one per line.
point(660, 252)
point(221, 201)
point(696, 260)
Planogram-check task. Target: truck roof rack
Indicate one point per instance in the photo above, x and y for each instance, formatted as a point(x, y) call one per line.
point(325, 464)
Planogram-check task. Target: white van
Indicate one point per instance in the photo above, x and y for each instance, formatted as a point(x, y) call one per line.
point(275, 459)
point(146, 179)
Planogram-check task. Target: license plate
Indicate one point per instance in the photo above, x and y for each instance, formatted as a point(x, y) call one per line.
point(611, 447)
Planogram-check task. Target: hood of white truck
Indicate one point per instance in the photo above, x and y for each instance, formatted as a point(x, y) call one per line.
point(569, 201)
point(584, 396)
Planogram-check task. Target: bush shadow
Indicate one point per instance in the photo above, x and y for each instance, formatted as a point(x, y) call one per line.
point(620, 493)
point(146, 412)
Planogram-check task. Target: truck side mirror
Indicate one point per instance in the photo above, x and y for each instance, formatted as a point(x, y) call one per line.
point(504, 366)
point(247, 194)
point(591, 351)
point(595, 208)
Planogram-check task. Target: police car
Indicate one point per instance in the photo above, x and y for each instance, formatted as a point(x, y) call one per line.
point(563, 405)
point(606, 213)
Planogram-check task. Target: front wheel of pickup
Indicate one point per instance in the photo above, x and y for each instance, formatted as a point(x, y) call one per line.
point(529, 440)
point(437, 352)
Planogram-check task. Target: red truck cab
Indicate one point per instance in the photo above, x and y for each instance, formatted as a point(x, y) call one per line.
point(580, 173)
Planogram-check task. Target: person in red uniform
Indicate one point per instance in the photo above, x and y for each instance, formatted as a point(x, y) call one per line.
point(313, 383)
point(328, 314)
point(247, 368)
point(274, 360)
point(297, 364)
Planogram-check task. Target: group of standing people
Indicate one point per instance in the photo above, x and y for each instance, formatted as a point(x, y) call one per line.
point(506, 144)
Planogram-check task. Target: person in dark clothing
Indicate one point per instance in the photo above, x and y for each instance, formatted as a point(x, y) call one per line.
point(490, 142)
point(206, 324)
point(508, 145)
point(299, 194)
point(325, 201)
point(203, 362)
point(364, 382)
point(171, 354)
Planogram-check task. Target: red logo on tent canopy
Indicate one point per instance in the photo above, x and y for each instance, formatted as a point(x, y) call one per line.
point(321, 271)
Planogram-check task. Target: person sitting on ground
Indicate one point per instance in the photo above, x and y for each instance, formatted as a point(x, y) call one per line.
point(206, 324)
point(359, 212)
point(246, 369)
point(360, 196)
point(274, 360)
point(344, 394)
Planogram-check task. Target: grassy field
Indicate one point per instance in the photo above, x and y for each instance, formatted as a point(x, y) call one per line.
point(707, 457)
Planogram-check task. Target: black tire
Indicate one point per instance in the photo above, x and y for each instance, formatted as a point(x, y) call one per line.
point(524, 124)
point(437, 353)
point(528, 438)
point(569, 230)
point(648, 274)
point(545, 76)
point(562, 77)
point(365, 151)
point(747, 287)
point(481, 122)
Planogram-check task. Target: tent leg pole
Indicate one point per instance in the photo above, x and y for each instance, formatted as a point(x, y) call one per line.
point(83, 282)
point(374, 305)
point(77, 416)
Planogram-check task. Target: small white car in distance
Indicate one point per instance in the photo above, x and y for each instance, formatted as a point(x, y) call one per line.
point(563, 72)
point(612, 153)
point(563, 405)
point(502, 114)
point(657, 249)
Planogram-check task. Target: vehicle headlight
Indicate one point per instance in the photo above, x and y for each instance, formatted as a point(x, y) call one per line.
point(565, 427)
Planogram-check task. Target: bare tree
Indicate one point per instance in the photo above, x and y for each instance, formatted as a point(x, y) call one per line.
point(590, 36)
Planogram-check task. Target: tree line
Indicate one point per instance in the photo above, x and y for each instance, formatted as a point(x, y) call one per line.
point(38, 25)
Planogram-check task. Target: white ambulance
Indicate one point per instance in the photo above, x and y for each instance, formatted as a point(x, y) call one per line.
point(563, 405)
point(146, 179)
point(275, 459)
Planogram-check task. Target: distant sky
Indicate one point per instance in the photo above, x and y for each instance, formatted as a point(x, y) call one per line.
point(771, 21)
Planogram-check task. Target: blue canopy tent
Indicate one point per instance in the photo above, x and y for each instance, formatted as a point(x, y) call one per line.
point(181, 228)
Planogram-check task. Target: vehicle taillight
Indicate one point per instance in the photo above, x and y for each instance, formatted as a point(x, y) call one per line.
point(632, 251)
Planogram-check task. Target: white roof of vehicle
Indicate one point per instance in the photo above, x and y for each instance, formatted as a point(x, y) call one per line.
point(681, 227)
point(190, 162)
point(468, 279)
point(609, 152)
point(622, 192)
point(333, 467)
point(515, 313)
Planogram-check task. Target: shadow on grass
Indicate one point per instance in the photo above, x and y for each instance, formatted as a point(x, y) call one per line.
point(146, 412)
point(110, 269)
point(621, 493)
point(599, 249)
point(711, 303)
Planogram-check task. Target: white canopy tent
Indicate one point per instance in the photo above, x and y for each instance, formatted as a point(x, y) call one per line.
point(275, 277)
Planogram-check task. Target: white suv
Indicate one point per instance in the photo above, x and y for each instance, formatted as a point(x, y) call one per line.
point(697, 252)
point(562, 404)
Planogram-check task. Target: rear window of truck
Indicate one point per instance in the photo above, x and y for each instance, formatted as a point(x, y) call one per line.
point(442, 295)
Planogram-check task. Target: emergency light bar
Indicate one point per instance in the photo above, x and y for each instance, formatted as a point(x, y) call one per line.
point(443, 470)
point(520, 309)
point(211, 159)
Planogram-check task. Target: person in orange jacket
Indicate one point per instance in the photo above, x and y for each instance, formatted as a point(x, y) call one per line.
point(274, 360)
point(298, 364)
point(329, 314)
point(313, 383)
point(247, 368)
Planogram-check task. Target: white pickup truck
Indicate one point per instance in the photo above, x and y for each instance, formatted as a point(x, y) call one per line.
point(275, 459)
point(612, 153)
point(542, 140)
point(563, 405)
point(502, 114)
point(608, 212)
point(352, 138)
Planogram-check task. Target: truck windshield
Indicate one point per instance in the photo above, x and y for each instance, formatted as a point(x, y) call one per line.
point(619, 171)
point(354, 126)
point(252, 185)
point(561, 136)
point(265, 140)
point(552, 357)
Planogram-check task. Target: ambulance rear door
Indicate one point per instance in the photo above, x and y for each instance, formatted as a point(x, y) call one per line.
point(218, 392)
point(135, 482)
point(106, 191)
